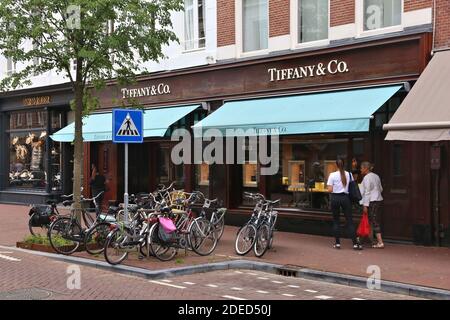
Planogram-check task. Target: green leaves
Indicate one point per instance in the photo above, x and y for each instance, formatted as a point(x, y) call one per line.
point(111, 38)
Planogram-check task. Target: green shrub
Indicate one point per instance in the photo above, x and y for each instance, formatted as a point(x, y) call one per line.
point(40, 239)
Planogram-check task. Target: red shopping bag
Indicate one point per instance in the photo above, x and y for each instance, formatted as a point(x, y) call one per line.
point(364, 226)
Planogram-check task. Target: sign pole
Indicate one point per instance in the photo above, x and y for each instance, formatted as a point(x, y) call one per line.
point(125, 195)
point(127, 127)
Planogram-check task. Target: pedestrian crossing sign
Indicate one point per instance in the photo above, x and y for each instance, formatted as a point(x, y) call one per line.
point(127, 126)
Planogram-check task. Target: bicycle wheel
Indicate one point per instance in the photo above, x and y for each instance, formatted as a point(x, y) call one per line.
point(219, 226)
point(160, 249)
point(114, 250)
point(274, 221)
point(143, 249)
point(143, 245)
point(245, 239)
point(202, 237)
point(37, 230)
point(262, 240)
point(95, 238)
point(62, 235)
point(271, 240)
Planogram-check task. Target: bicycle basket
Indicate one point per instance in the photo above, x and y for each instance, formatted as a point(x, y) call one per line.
point(177, 197)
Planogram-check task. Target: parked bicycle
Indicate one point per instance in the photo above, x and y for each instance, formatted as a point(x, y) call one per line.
point(186, 232)
point(257, 233)
point(66, 233)
point(124, 238)
point(216, 213)
point(41, 215)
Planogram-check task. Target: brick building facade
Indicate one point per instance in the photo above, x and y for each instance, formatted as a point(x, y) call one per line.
point(442, 33)
point(344, 23)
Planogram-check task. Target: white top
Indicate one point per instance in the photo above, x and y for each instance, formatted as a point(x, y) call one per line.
point(335, 180)
point(371, 189)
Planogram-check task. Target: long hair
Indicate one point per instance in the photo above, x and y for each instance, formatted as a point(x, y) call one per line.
point(340, 165)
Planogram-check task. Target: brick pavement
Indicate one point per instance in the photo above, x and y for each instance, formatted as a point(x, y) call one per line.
point(27, 271)
point(425, 266)
point(40, 272)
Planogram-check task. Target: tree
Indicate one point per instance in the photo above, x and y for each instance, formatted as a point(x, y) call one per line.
point(105, 38)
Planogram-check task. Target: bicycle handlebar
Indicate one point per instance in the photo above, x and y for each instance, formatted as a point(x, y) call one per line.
point(255, 196)
point(164, 189)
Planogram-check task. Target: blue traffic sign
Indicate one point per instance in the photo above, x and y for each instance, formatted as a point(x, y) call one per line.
point(127, 126)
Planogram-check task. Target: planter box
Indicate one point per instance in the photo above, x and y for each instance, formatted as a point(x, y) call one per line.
point(35, 247)
point(43, 247)
point(48, 248)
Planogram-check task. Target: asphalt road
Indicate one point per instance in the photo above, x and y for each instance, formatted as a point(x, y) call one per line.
point(29, 276)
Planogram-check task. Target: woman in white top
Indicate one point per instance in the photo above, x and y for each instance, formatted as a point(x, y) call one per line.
point(372, 199)
point(338, 182)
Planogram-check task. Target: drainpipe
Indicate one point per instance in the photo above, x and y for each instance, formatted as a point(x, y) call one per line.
point(435, 167)
point(434, 27)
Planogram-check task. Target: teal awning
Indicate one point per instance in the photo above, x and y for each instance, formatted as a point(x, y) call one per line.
point(98, 126)
point(329, 112)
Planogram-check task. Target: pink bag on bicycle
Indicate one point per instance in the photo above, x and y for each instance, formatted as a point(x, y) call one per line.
point(167, 224)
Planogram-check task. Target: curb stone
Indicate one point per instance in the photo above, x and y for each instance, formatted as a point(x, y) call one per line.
point(331, 277)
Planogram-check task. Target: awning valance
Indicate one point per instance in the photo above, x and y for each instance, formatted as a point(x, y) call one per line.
point(98, 126)
point(328, 112)
point(424, 115)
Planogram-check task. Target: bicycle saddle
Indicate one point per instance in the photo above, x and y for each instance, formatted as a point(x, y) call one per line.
point(67, 203)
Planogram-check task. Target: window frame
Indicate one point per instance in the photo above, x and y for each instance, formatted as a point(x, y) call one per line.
point(196, 38)
point(239, 31)
point(11, 66)
point(359, 19)
point(295, 44)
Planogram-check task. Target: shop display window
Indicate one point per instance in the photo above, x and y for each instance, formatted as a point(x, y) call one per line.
point(29, 158)
point(27, 149)
point(304, 169)
point(167, 172)
point(250, 179)
point(250, 174)
point(296, 174)
point(202, 174)
point(164, 165)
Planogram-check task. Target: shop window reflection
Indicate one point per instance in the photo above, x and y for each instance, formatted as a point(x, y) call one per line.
point(56, 159)
point(164, 165)
point(304, 169)
point(250, 179)
point(30, 162)
point(27, 159)
point(202, 178)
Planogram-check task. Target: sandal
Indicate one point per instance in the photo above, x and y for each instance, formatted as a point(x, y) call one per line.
point(378, 246)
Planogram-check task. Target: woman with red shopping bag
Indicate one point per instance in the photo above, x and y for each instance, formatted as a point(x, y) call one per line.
point(372, 200)
point(364, 226)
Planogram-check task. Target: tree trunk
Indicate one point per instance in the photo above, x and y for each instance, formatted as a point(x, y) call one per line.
point(78, 151)
point(78, 141)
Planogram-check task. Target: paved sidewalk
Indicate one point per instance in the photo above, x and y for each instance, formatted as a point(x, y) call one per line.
point(417, 265)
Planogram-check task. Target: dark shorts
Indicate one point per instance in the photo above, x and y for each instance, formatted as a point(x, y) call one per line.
point(374, 215)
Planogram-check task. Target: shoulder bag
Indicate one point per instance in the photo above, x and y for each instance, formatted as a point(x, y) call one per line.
point(353, 190)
